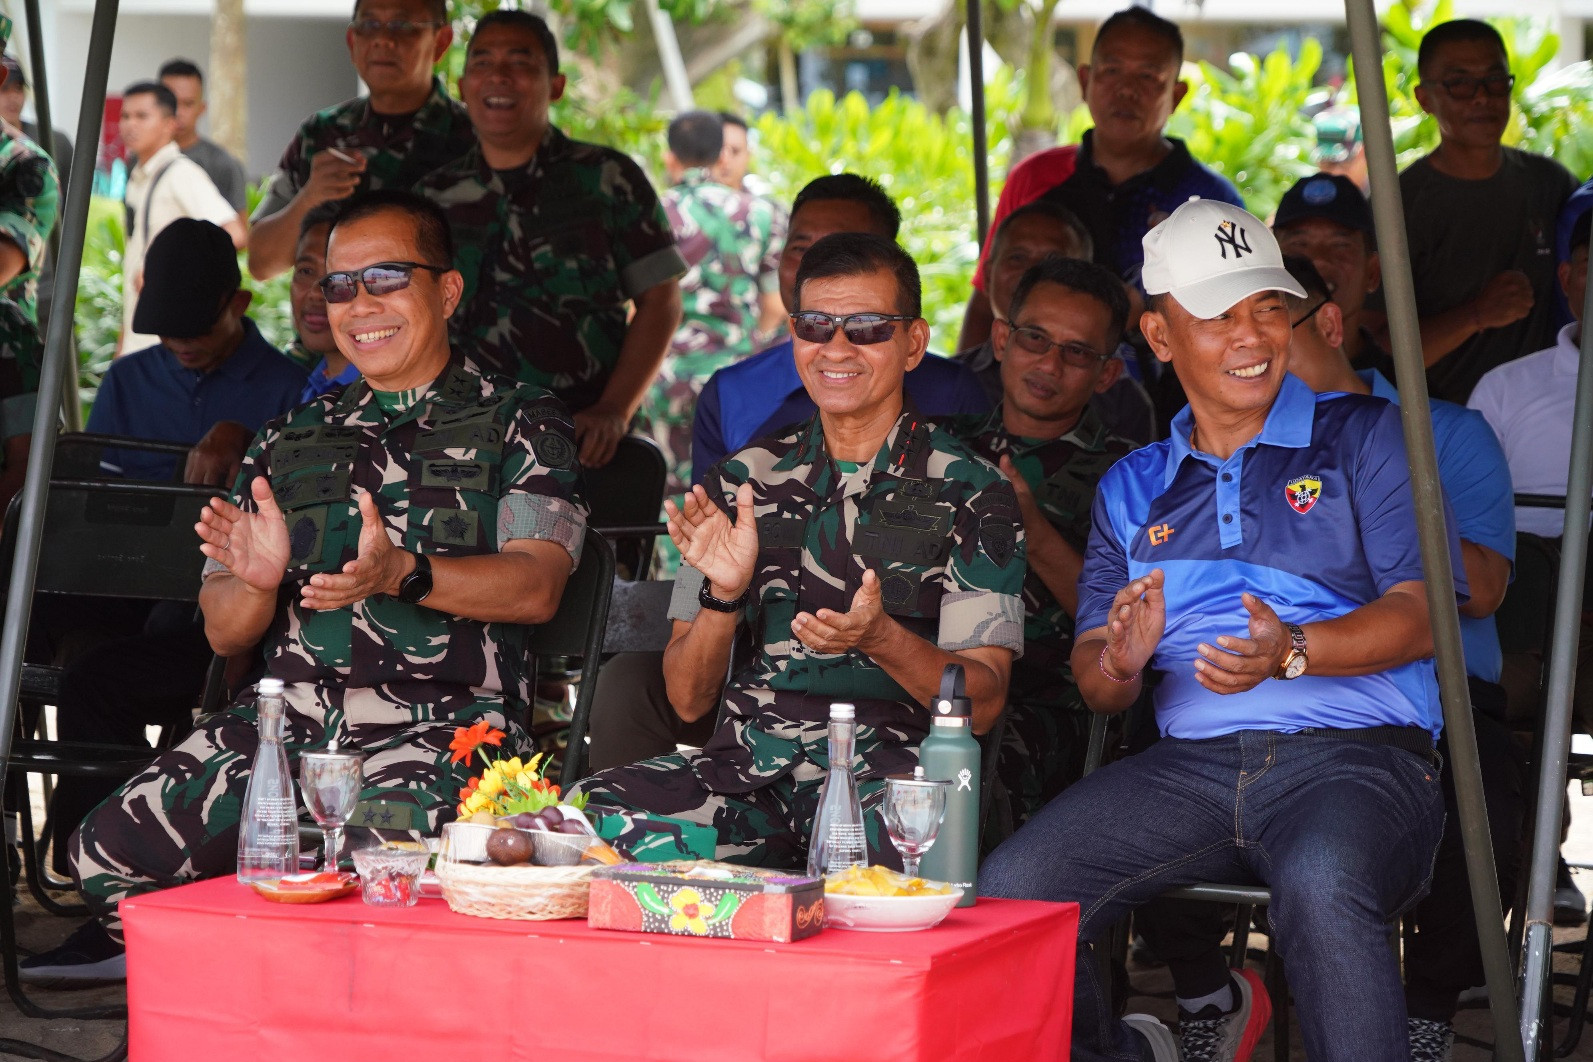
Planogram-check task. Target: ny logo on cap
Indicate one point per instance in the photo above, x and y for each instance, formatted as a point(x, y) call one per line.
point(1230, 235)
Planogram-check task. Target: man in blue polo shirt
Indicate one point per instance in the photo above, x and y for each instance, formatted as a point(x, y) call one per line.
point(210, 366)
point(1264, 562)
point(762, 394)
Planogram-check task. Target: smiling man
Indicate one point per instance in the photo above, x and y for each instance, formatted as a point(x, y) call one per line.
point(868, 551)
point(570, 269)
point(387, 543)
point(314, 346)
point(1264, 561)
point(405, 128)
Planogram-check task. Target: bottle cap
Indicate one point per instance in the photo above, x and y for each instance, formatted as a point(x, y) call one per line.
point(843, 712)
point(269, 686)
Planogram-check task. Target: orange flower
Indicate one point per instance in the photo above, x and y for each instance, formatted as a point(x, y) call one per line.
point(467, 740)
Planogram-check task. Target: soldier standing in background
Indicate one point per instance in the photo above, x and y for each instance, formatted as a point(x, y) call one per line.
point(558, 240)
point(731, 241)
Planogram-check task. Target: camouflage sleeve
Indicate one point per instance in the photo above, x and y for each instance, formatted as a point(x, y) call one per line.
point(17, 400)
point(256, 462)
point(644, 244)
point(284, 184)
point(541, 494)
point(983, 604)
point(769, 267)
point(29, 196)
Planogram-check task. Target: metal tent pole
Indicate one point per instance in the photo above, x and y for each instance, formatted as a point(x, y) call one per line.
point(1537, 981)
point(57, 353)
point(981, 139)
point(1416, 416)
point(71, 408)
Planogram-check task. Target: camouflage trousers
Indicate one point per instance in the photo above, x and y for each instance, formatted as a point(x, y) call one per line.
point(767, 827)
point(177, 820)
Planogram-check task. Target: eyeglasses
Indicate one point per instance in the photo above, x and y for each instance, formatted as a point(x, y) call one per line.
point(1465, 88)
point(383, 278)
point(371, 27)
point(1310, 313)
point(1035, 341)
point(864, 329)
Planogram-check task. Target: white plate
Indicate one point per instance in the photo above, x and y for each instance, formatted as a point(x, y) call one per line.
point(887, 914)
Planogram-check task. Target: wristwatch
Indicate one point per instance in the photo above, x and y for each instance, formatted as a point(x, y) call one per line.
point(1294, 662)
point(714, 604)
point(417, 584)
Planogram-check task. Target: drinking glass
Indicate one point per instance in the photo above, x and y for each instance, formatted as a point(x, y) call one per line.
point(914, 810)
point(330, 782)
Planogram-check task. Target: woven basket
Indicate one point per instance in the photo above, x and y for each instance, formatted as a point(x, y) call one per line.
point(526, 892)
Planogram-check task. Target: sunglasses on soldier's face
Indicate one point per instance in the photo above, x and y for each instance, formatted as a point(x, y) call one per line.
point(383, 278)
point(864, 329)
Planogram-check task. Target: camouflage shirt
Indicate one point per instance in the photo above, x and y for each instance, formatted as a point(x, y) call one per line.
point(552, 254)
point(939, 526)
point(731, 242)
point(474, 463)
point(1062, 473)
point(29, 194)
point(399, 149)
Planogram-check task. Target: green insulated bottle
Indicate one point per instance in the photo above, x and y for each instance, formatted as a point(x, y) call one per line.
point(950, 753)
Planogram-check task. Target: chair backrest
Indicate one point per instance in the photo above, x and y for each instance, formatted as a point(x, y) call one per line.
point(117, 539)
point(1523, 617)
point(78, 453)
point(629, 492)
point(576, 632)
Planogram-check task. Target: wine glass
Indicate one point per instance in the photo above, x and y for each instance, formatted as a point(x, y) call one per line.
point(914, 809)
point(330, 781)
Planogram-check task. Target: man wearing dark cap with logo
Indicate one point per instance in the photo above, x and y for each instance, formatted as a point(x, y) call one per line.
point(210, 366)
point(1325, 218)
point(1264, 560)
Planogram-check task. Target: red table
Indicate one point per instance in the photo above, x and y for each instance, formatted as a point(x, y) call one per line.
point(215, 972)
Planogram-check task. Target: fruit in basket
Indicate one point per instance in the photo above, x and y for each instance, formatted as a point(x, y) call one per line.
point(881, 881)
point(508, 847)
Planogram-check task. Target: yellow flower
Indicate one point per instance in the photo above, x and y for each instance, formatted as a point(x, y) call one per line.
point(690, 912)
point(491, 784)
point(509, 768)
point(475, 802)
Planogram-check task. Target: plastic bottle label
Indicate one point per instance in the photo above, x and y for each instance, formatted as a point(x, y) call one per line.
point(847, 842)
point(274, 811)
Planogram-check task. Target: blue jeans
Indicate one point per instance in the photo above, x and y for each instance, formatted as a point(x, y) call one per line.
point(1343, 833)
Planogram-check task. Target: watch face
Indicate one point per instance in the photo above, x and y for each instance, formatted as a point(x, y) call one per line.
point(1295, 667)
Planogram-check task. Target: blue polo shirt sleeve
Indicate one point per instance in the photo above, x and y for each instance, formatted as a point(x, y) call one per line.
point(1105, 570)
point(1476, 477)
point(707, 434)
point(1385, 509)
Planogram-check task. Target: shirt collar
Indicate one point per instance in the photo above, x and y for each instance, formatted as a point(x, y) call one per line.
point(239, 365)
point(1164, 175)
point(435, 113)
point(1088, 433)
point(455, 386)
point(1381, 388)
point(899, 455)
point(1567, 355)
point(697, 175)
point(160, 159)
point(1289, 424)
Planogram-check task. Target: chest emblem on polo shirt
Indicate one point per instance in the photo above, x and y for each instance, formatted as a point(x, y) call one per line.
point(1303, 493)
point(1160, 533)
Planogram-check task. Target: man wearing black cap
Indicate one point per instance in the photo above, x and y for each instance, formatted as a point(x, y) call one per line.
point(1326, 219)
point(210, 366)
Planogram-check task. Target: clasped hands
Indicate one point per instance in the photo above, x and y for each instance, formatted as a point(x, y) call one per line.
point(726, 553)
point(1138, 619)
point(254, 548)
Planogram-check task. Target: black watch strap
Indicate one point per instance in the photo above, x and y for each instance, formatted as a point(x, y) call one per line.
point(714, 604)
point(415, 586)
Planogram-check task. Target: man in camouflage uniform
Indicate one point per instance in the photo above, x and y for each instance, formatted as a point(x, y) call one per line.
point(557, 239)
point(731, 294)
point(1053, 347)
point(405, 128)
point(869, 550)
point(384, 648)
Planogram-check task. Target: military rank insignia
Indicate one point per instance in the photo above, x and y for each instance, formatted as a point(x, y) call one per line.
point(1303, 493)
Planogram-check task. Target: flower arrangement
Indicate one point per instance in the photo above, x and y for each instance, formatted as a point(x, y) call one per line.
point(506, 787)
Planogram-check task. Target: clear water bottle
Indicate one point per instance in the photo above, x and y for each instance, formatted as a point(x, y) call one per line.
point(268, 832)
point(838, 839)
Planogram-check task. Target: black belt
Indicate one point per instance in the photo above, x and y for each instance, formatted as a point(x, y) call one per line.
point(1410, 738)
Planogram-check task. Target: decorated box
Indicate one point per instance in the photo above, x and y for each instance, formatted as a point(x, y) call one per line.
point(700, 898)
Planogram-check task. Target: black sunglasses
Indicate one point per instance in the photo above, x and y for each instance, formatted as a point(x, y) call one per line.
point(383, 278)
point(864, 329)
point(1036, 341)
point(1465, 88)
point(1310, 313)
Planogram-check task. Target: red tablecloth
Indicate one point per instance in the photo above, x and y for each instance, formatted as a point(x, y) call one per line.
point(215, 972)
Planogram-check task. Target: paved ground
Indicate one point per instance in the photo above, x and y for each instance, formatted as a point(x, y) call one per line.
point(94, 1039)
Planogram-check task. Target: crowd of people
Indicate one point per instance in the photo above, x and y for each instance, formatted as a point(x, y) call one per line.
point(1160, 474)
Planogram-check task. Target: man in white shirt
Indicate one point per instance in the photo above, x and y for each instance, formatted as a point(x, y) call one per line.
point(164, 186)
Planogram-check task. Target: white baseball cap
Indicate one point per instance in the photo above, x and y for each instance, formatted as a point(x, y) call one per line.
point(1210, 255)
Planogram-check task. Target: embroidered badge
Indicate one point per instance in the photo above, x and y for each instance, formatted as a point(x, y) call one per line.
point(1303, 493)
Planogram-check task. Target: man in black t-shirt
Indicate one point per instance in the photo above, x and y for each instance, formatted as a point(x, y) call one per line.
point(1479, 216)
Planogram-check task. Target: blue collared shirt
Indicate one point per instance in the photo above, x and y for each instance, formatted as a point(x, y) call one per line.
point(148, 394)
point(1476, 479)
point(1314, 516)
point(319, 383)
point(759, 395)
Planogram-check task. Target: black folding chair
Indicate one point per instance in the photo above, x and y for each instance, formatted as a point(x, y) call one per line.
point(78, 454)
point(100, 539)
point(626, 498)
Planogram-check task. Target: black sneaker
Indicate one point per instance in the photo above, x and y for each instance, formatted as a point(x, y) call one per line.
point(1212, 1036)
point(1430, 1040)
point(88, 956)
point(1570, 906)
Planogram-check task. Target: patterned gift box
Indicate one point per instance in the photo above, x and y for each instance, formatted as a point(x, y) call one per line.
point(699, 898)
